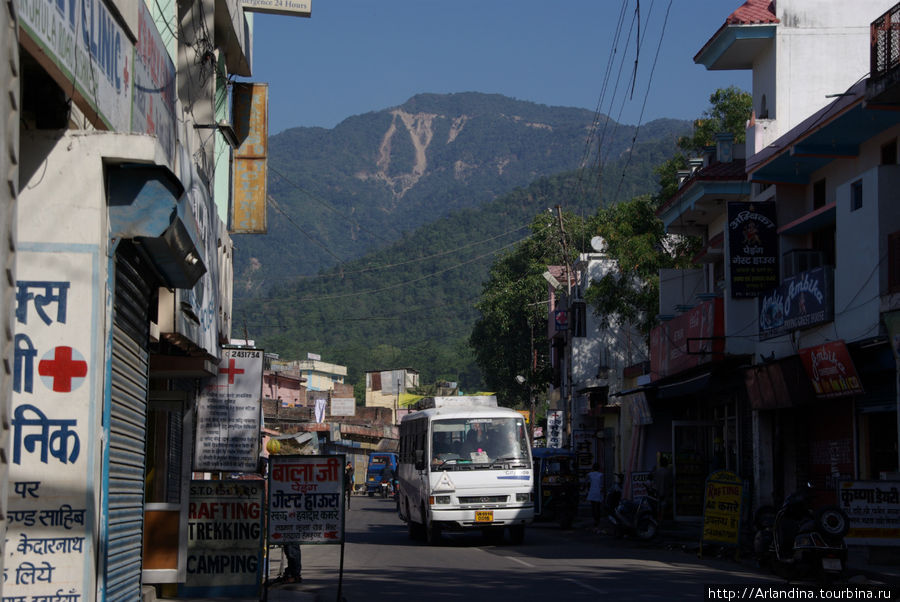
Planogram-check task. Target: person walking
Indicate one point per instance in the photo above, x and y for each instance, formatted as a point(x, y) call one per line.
point(294, 563)
point(348, 481)
point(595, 494)
point(662, 483)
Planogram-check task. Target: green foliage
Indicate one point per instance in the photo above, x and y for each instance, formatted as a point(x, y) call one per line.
point(413, 267)
point(728, 112)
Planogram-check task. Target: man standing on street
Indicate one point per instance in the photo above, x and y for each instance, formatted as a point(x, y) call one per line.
point(348, 481)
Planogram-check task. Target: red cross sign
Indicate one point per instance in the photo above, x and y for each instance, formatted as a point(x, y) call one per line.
point(64, 367)
point(231, 371)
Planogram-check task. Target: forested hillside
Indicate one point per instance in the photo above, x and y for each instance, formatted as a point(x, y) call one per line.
point(410, 303)
point(338, 194)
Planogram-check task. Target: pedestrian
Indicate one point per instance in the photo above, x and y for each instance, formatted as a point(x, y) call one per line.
point(662, 483)
point(294, 563)
point(595, 493)
point(348, 481)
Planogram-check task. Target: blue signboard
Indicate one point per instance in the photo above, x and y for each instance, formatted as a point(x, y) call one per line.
point(800, 301)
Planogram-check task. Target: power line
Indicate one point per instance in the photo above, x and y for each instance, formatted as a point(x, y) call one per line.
point(302, 231)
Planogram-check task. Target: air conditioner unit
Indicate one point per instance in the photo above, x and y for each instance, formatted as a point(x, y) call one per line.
point(801, 260)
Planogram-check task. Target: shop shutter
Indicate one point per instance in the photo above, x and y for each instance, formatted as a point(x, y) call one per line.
point(127, 427)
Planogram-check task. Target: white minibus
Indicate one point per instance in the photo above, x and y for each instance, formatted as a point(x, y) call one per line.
point(465, 463)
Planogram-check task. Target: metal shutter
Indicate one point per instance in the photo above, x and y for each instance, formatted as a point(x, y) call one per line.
point(127, 428)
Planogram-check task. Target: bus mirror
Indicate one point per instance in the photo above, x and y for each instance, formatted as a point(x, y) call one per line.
point(420, 459)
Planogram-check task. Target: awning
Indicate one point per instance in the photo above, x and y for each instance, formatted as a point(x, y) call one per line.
point(685, 386)
point(147, 204)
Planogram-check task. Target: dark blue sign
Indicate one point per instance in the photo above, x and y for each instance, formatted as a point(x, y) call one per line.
point(752, 248)
point(800, 301)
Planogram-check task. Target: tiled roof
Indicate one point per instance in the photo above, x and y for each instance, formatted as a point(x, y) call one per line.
point(753, 12)
point(733, 171)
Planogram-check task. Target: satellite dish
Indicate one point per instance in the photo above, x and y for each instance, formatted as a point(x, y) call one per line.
point(598, 243)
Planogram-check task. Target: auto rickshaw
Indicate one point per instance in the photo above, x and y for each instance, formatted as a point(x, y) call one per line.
point(556, 485)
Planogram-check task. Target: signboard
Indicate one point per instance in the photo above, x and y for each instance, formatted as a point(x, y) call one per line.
point(722, 507)
point(753, 248)
point(639, 483)
point(306, 496)
point(831, 370)
point(343, 406)
point(288, 8)
point(800, 301)
point(228, 414)
point(225, 539)
point(57, 371)
point(555, 428)
point(90, 55)
point(873, 508)
point(695, 337)
point(561, 319)
point(250, 101)
point(154, 86)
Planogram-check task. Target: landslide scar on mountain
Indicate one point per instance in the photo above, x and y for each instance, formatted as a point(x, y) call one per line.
point(421, 132)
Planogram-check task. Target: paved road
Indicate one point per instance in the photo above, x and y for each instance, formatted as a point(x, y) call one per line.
point(382, 563)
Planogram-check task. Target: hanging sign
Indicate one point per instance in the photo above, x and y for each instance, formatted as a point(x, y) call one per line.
point(831, 370)
point(753, 248)
point(228, 414)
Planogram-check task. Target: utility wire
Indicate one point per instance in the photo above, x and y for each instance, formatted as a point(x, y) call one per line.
point(302, 231)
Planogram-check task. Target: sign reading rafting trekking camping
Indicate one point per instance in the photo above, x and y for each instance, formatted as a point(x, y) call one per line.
point(752, 248)
point(228, 414)
point(722, 507)
point(305, 499)
point(225, 539)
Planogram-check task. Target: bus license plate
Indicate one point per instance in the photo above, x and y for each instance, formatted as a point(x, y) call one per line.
point(484, 516)
point(831, 564)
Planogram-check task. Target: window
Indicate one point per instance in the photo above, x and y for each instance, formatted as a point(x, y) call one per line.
point(819, 194)
point(889, 153)
point(856, 195)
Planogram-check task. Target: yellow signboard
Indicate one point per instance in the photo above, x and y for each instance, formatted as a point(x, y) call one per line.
point(722, 507)
point(250, 102)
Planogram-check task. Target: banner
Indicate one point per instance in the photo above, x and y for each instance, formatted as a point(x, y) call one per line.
point(555, 428)
point(753, 248)
point(228, 414)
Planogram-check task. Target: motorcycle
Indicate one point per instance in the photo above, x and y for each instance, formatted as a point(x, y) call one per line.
point(636, 517)
point(798, 541)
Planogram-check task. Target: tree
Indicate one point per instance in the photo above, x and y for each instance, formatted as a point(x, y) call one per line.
point(637, 240)
point(728, 112)
point(513, 323)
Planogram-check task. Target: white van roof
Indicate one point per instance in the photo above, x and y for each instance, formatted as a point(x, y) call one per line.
point(457, 402)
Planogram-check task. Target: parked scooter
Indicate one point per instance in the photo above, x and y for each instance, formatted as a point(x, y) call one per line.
point(797, 541)
point(636, 517)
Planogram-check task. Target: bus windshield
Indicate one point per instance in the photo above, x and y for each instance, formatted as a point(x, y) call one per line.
point(479, 443)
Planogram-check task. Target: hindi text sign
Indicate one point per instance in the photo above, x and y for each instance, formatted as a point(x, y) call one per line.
point(228, 414)
point(722, 507)
point(306, 495)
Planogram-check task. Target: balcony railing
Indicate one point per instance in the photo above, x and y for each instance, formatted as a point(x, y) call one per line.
point(885, 42)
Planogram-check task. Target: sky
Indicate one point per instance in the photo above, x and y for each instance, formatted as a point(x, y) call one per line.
point(356, 56)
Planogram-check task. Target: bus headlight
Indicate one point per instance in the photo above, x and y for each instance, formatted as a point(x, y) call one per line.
point(440, 499)
point(523, 497)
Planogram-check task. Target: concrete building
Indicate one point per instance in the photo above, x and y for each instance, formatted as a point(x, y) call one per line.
point(385, 387)
point(319, 375)
point(122, 294)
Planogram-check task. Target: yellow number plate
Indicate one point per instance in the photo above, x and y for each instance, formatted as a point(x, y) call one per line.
point(484, 516)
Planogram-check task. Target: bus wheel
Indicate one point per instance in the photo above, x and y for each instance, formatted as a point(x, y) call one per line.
point(433, 534)
point(517, 534)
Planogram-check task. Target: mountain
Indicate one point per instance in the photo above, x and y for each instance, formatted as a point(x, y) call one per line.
point(418, 201)
point(337, 194)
